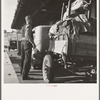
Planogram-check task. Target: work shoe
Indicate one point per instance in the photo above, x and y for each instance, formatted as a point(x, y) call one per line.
point(25, 78)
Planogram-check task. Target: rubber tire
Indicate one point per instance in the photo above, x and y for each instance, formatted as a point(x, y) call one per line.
point(64, 60)
point(47, 69)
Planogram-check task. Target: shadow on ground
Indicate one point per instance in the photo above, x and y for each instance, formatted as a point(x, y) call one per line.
point(61, 76)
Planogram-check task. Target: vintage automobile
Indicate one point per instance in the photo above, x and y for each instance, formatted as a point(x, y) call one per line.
point(74, 55)
point(81, 54)
point(13, 44)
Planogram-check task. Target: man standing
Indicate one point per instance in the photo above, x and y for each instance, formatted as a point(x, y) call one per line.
point(26, 47)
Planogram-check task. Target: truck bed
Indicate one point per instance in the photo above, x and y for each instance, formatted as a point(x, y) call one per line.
point(84, 46)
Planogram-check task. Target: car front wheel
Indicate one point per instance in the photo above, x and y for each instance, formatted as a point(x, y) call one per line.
point(47, 68)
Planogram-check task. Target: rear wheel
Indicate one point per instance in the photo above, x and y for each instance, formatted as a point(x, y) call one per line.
point(47, 68)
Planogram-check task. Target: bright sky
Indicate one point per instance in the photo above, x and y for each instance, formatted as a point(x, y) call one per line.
point(8, 11)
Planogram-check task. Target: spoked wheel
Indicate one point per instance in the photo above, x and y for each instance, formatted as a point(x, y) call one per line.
point(92, 74)
point(47, 68)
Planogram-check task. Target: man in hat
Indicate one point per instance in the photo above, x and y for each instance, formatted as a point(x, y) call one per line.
point(26, 47)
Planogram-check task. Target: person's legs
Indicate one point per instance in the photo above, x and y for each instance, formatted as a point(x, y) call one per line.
point(22, 55)
point(27, 60)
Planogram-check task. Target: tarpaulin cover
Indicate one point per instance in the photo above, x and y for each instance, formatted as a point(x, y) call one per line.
point(77, 7)
point(74, 25)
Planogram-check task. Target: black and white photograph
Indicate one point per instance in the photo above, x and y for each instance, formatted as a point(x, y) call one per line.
point(50, 43)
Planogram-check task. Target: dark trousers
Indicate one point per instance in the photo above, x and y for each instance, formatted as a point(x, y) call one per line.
point(26, 50)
